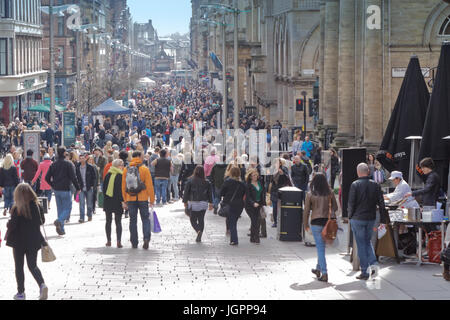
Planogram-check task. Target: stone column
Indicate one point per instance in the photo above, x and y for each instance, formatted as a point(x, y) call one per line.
point(373, 77)
point(279, 115)
point(291, 102)
point(346, 75)
point(322, 61)
point(331, 63)
point(285, 104)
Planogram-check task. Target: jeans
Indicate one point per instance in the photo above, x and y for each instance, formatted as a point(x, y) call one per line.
point(198, 220)
point(255, 226)
point(19, 260)
point(275, 210)
point(362, 231)
point(63, 205)
point(232, 219)
point(8, 193)
point(216, 197)
point(161, 190)
point(86, 200)
point(133, 208)
point(48, 194)
point(320, 246)
point(174, 185)
point(118, 220)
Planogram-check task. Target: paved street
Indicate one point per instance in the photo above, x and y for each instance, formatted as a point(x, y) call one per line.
point(176, 267)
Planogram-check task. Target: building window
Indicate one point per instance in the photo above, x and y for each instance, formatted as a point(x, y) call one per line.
point(3, 57)
point(60, 59)
point(445, 28)
point(5, 8)
point(61, 26)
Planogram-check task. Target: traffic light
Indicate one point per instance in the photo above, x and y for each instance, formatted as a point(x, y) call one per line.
point(299, 105)
point(311, 107)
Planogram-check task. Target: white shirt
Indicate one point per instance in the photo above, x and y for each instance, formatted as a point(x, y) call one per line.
point(399, 193)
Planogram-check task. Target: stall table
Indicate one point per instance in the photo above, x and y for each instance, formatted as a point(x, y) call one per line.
point(420, 225)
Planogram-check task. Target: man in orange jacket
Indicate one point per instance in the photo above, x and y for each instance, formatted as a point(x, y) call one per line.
point(140, 201)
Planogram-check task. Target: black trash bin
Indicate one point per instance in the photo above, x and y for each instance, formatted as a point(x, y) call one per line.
point(290, 214)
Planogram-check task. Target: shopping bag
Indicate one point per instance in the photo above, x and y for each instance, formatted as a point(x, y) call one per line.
point(77, 198)
point(156, 227)
point(381, 231)
point(100, 199)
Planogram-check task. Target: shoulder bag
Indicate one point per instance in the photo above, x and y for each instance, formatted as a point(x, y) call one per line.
point(46, 251)
point(224, 210)
point(329, 232)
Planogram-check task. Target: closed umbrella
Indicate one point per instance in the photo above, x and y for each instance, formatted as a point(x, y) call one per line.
point(437, 123)
point(407, 119)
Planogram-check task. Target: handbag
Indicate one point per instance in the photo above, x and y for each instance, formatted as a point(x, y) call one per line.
point(329, 232)
point(266, 211)
point(224, 210)
point(155, 226)
point(46, 251)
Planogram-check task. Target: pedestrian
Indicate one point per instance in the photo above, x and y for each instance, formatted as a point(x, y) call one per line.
point(364, 197)
point(217, 178)
point(197, 195)
point(91, 161)
point(25, 237)
point(162, 176)
point(297, 145)
point(318, 201)
point(279, 180)
point(137, 191)
point(87, 179)
point(29, 167)
point(307, 146)
point(114, 202)
point(300, 176)
point(44, 166)
point(233, 192)
point(100, 161)
point(177, 162)
point(284, 138)
point(255, 200)
point(60, 176)
point(335, 167)
point(8, 182)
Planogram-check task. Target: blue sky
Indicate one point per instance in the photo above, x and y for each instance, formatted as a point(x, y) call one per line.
point(169, 16)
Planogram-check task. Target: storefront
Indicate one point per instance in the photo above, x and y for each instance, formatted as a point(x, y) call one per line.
point(18, 92)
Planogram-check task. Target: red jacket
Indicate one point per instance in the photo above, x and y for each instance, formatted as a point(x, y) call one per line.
point(43, 169)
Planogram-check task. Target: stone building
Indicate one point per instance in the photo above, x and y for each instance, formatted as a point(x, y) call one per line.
point(22, 78)
point(367, 46)
point(350, 55)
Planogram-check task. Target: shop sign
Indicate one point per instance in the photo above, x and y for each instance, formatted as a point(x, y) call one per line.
point(308, 72)
point(69, 137)
point(401, 72)
point(32, 141)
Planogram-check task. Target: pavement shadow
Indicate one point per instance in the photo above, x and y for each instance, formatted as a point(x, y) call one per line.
point(314, 285)
point(351, 286)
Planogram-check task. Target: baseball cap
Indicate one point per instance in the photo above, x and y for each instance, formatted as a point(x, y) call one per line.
point(396, 174)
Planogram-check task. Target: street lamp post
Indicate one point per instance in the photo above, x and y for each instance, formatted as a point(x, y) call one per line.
point(236, 67)
point(52, 67)
point(224, 76)
point(304, 94)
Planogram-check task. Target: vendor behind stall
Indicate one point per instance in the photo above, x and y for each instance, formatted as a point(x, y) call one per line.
point(401, 190)
point(430, 193)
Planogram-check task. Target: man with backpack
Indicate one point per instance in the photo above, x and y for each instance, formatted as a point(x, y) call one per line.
point(137, 190)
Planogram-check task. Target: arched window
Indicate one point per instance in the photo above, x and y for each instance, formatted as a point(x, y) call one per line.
point(445, 28)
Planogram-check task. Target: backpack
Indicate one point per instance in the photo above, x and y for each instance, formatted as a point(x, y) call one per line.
point(134, 184)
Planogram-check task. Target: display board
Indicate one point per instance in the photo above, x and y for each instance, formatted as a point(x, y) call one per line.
point(32, 140)
point(69, 122)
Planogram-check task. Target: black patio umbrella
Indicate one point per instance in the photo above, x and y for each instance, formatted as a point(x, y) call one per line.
point(407, 119)
point(437, 123)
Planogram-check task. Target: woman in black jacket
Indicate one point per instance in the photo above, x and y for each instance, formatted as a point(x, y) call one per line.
point(197, 195)
point(8, 181)
point(25, 237)
point(233, 191)
point(255, 200)
point(113, 200)
point(279, 180)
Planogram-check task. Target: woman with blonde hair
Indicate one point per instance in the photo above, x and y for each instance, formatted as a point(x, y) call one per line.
point(233, 192)
point(25, 237)
point(8, 181)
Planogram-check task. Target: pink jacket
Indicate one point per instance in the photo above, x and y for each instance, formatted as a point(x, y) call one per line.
point(209, 164)
point(43, 168)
